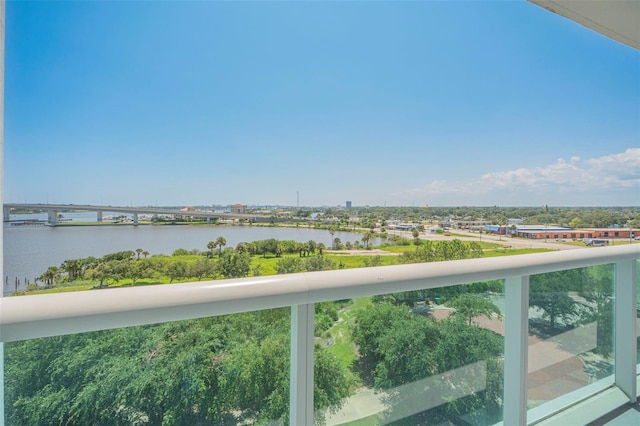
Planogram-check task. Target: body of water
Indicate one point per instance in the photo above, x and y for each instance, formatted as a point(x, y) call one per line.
point(30, 249)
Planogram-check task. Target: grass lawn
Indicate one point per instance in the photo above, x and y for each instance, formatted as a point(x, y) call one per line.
point(267, 264)
point(511, 252)
point(342, 347)
point(58, 290)
point(349, 262)
point(488, 246)
point(397, 249)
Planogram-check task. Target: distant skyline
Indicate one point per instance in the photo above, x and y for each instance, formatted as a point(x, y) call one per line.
point(381, 103)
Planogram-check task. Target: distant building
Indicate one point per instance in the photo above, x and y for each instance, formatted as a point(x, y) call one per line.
point(238, 208)
point(554, 232)
point(496, 229)
point(348, 204)
point(470, 224)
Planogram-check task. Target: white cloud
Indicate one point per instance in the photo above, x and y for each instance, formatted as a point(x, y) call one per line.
point(610, 172)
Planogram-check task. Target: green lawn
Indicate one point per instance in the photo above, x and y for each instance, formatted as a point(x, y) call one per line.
point(343, 347)
point(511, 252)
point(396, 249)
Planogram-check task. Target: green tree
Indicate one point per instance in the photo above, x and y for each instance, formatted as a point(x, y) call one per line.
point(121, 255)
point(303, 249)
point(176, 270)
point(73, 268)
point(366, 238)
point(372, 261)
point(180, 252)
point(289, 265)
point(234, 264)
point(211, 245)
point(319, 263)
point(470, 306)
point(256, 270)
point(550, 294)
point(575, 223)
point(111, 271)
point(50, 276)
point(220, 242)
point(337, 244)
point(402, 348)
point(202, 268)
point(312, 246)
point(598, 290)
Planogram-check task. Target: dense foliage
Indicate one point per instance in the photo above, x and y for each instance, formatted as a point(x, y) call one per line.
point(410, 354)
point(586, 217)
point(567, 299)
point(220, 370)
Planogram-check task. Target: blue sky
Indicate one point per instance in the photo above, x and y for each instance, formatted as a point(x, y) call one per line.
point(396, 103)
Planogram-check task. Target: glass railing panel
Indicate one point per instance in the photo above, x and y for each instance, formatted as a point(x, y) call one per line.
point(571, 334)
point(421, 357)
point(230, 369)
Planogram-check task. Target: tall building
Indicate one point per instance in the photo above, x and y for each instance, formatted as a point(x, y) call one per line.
point(348, 204)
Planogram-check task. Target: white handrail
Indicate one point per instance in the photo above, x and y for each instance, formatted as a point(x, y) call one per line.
point(36, 316)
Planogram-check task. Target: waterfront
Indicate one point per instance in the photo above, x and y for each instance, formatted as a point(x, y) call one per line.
point(30, 250)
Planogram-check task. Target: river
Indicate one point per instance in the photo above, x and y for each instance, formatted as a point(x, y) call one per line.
point(30, 249)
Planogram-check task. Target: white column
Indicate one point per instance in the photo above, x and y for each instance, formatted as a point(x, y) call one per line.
point(625, 328)
point(301, 368)
point(135, 219)
point(53, 217)
point(516, 350)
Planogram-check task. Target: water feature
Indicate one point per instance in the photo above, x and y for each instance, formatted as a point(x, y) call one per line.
point(30, 250)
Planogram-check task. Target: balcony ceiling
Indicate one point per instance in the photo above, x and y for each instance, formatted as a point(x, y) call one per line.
point(616, 19)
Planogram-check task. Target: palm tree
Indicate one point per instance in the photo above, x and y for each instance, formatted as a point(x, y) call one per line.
point(220, 241)
point(73, 267)
point(211, 245)
point(365, 239)
point(50, 276)
point(139, 252)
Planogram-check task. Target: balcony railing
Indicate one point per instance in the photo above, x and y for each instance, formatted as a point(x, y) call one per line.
point(32, 317)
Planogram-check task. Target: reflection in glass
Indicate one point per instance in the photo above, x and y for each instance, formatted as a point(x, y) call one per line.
point(420, 357)
point(570, 331)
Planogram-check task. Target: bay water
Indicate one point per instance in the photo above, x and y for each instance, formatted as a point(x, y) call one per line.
point(30, 249)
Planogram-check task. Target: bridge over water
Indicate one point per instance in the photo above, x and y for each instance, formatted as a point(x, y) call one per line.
point(54, 209)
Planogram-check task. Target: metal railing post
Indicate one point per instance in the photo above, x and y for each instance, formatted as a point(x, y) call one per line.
point(301, 368)
point(516, 350)
point(625, 327)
